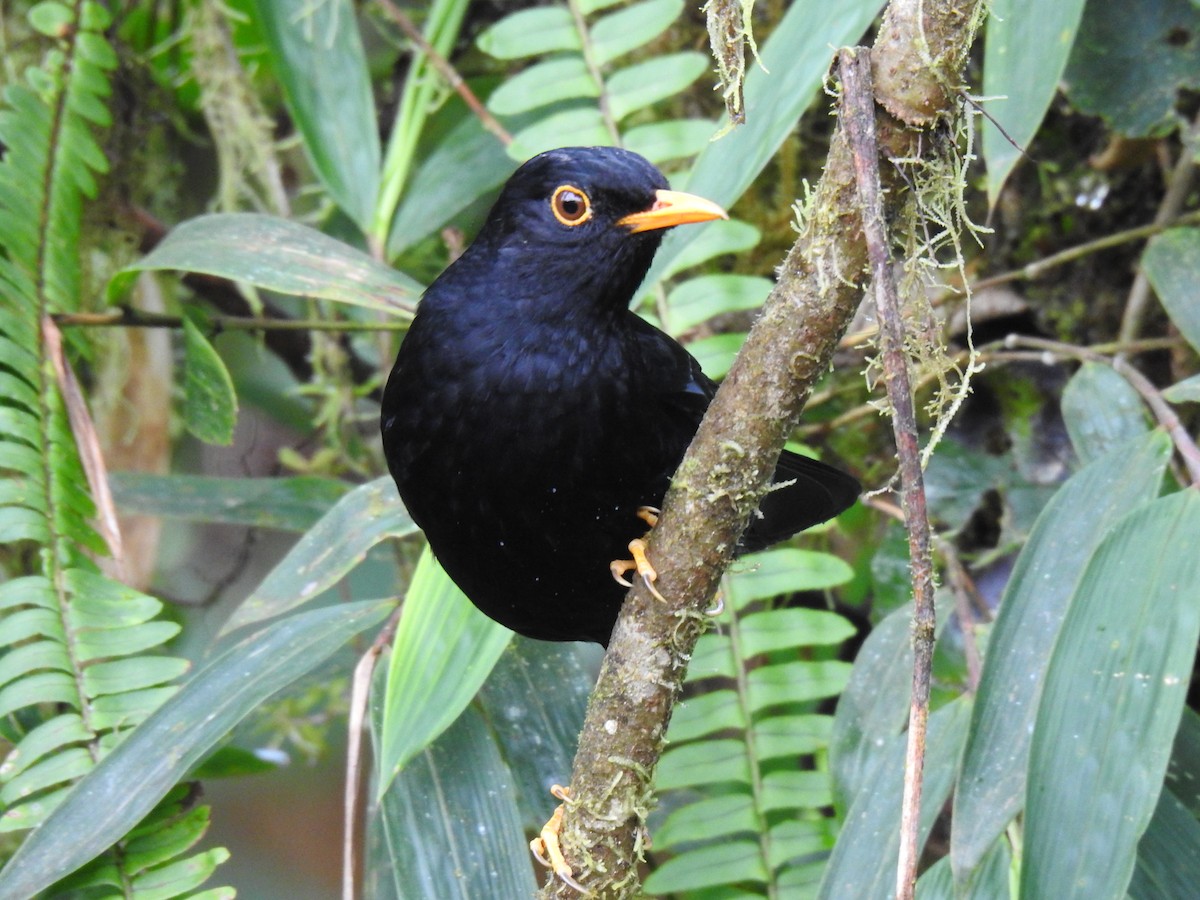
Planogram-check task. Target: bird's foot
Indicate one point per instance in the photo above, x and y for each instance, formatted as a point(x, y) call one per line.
point(545, 847)
point(640, 562)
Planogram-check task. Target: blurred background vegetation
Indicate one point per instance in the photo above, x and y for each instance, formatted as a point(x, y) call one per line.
point(310, 164)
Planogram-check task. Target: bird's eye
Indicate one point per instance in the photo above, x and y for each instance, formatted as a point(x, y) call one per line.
point(570, 205)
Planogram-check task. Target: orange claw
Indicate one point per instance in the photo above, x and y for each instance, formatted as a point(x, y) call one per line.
point(639, 562)
point(545, 847)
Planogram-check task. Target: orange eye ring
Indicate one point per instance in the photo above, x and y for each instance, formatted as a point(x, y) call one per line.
point(570, 205)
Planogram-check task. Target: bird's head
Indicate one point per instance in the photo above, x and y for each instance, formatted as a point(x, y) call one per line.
point(586, 217)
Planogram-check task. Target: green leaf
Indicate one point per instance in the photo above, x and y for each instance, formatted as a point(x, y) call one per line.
point(1129, 63)
point(469, 843)
point(729, 862)
point(534, 702)
point(278, 255)
point(863, 863)
point(699, 716)
point(663, 142)
point(1168, 855)
point(699, 299)
point(628, 28)
point(289, 504)
point(1028, 43)
point(1172, 263)
point(210, 404)
point(796, 57)
point(722, 237)
point(443, 652)
point(468, 163)
point(370, 513)
point(1035, 602)
point(701, 763)
point(546, 82)
point(530, 32)
point(585, 125)
point(1186, 391)
point(716, 352)
point(694, 822)
point(126, 784)
point(1113, 695)
point(645, 83)
point(318, 57)
point(784, 570)
point(1101, 411)
point(786, 683)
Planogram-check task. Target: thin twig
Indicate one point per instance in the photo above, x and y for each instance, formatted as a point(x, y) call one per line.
point(1172, 203)
point(1185, 446)
point(446, 70)
point(128, 317)
point(359, 694)
point(859, 101)
point(1039, 268)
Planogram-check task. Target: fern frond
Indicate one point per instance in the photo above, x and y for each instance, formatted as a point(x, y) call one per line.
point(746, 753)
point(75, 671)
point(581, 90)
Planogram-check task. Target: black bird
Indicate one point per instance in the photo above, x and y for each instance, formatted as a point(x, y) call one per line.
point(531, 414)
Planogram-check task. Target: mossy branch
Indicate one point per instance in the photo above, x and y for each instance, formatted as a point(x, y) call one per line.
point(917, 62)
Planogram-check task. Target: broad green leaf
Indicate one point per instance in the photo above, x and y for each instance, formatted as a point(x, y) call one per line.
point(616, 33)
point(728, 813)
point(370, 513)
point(63, 729)
point(97, 643)
point(449, 825)
point(863, 863)
point(210, 404)
point(651, 80)
point(131, 674)
point(1101, 411)
point(699, 299)
point(585, 126)
point(1168, 855)
point(704, 714)
point(1172, 263)
point(795, 57)
point(669, 140)
point(730, 862)
point(784, 570)
point(779, 629)
point(465, 164)
point(546, 82)
point(873, 708)
point(443, 652)
point(716, 352)
point(1183, 774)
point(793, 682)
point(278, 255)
point(723, 236)
point(1113, 694)
point(992, 786)
point(534, 702)
point(792, 790)
point(1028, 44)
point(126, 784)
point(530, 32)
point(1129, 63)
point(318, 57)
point(701, 763)
point(1186, 391)
point(780, 737)
point(289, 504)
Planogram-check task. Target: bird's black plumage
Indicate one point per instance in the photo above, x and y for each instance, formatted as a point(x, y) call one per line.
point(530, 413)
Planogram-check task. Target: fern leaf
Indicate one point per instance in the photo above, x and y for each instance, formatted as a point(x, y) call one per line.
point(75, 668)
point(743, 752)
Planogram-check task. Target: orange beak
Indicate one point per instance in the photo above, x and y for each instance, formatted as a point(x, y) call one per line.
point(672, 208)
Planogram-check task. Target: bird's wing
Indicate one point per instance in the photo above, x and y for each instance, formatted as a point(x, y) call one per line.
point(805, 492)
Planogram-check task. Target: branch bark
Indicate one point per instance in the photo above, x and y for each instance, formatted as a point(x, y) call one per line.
point(917, 62)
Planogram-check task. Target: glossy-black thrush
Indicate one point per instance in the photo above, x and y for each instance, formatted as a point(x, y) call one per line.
point(530, 414)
